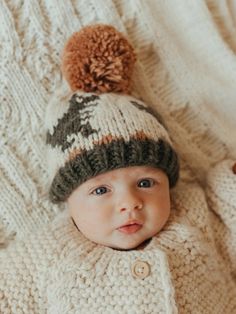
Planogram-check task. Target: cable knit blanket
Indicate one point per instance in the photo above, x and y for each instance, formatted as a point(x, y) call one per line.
point(186, 69)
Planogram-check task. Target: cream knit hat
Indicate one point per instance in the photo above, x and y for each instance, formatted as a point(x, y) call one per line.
point(96, 130)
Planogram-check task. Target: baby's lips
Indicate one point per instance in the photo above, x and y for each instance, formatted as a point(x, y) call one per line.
point(132, 228)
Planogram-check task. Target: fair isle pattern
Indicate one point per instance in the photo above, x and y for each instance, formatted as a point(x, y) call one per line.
point(90, 118)
point(193, 86)
point(98, 133)
point(59, 271)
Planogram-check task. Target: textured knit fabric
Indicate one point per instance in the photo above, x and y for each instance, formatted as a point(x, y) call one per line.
point(89, 134)
point(192, 262)
point(186, 60)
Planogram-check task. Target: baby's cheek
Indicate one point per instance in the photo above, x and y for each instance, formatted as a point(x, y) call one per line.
point(160, 215)
point(98, 218)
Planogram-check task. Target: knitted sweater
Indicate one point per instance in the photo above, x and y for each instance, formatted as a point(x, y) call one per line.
point(188, 267)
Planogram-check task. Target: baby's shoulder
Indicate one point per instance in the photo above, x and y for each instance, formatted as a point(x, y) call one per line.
point(189, 197)
point(189, 205)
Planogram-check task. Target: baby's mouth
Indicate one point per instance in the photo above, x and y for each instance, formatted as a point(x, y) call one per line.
point(130, 227)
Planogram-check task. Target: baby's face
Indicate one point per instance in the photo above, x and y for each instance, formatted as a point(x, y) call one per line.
point(122, 208)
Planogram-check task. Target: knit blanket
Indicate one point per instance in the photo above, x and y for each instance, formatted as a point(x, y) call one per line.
point(186, 69)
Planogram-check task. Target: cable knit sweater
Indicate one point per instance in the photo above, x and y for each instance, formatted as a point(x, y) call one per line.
point(189, 267)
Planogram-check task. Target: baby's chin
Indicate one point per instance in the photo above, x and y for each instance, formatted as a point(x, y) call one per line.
point(128, 246)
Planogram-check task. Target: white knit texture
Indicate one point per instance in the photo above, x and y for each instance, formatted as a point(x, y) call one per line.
point(186, 60)
point(191, 263)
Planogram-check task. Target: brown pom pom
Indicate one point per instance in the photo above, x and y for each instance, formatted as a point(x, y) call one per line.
point(98, 59)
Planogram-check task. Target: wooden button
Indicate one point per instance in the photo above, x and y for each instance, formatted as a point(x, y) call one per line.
point(140, 269)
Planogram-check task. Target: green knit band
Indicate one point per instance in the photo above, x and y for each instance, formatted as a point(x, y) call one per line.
point(116, 154)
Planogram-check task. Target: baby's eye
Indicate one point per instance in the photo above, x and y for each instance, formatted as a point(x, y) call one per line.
point(99, 191)
point(146, 183)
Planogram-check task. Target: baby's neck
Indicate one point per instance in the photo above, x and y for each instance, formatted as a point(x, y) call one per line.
point(140, 247)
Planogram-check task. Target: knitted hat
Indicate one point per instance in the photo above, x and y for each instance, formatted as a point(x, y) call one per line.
point(95, 129)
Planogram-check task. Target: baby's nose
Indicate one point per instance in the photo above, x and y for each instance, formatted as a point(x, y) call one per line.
point(130, 202)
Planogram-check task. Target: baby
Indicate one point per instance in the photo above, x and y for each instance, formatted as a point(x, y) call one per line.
point(117, 163)
point(125, 243)
point(122, 208)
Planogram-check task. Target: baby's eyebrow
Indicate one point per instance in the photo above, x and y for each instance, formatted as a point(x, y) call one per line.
point(96, 181)
point(149, 171)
